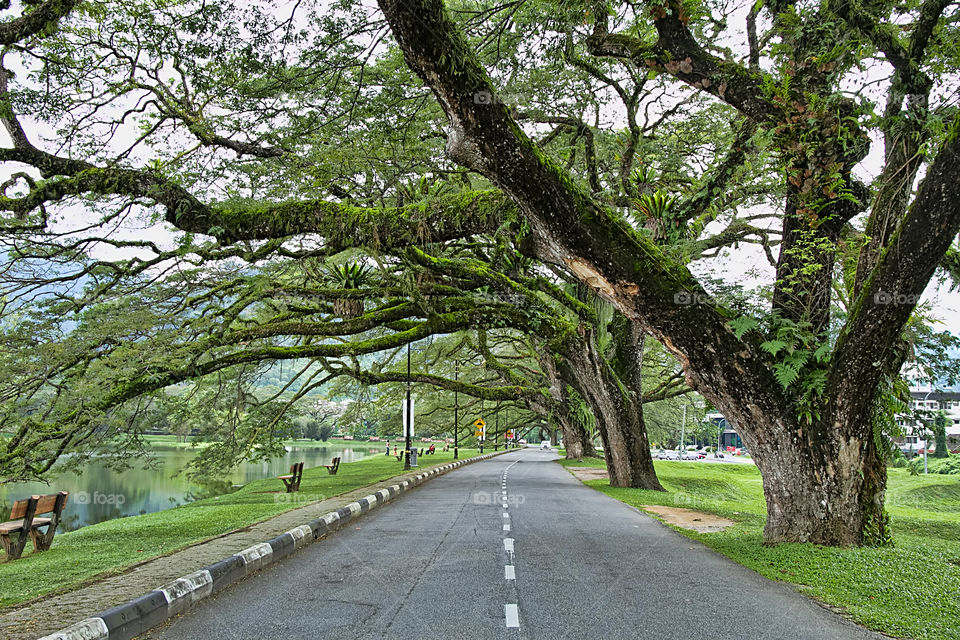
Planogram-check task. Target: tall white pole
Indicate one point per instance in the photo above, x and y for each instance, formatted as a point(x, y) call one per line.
point(683, 428)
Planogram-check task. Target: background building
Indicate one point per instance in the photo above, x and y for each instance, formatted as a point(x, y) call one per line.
point(917, 425)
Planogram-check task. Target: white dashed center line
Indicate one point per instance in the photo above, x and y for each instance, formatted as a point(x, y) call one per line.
point(513, 616)
point(511, 611)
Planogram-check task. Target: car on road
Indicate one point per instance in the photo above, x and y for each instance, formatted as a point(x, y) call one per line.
point(544, 444)
point(690, 455)
point(668, 455)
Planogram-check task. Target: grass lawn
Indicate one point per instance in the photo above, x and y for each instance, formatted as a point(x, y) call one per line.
point(110, 547)
point(910, 590)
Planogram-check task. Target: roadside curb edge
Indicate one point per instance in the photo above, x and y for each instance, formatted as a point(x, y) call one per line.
point(132, 618)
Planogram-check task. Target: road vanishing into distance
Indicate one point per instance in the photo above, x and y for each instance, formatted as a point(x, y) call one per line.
point(511, 547)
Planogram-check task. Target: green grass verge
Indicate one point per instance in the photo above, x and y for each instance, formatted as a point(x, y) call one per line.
point(111, 547)
point(910, 590)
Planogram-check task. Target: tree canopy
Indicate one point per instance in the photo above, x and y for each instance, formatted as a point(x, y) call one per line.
point(480, 160)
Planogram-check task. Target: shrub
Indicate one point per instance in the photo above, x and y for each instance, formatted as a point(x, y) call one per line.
point(945, 466)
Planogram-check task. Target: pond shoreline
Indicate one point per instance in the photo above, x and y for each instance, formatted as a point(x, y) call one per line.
point(50, 580)
point(113, 547)
point(99, 494)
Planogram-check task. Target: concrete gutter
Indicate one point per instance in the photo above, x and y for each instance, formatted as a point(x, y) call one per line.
point(137, 616)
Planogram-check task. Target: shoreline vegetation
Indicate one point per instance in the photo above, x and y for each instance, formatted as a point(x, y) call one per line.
point(173, 441)
point(908, 590)
point(108, 548)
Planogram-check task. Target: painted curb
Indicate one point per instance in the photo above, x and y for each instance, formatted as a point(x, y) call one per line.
point(132, 618)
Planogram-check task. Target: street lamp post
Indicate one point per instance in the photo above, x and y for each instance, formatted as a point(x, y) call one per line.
point(407, 408)
point(683, 428)
point(483, 430)
point(456, 409)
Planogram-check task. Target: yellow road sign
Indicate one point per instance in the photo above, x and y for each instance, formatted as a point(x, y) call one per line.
point(479, 423)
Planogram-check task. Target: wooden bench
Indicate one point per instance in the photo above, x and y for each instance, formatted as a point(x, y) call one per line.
point(400, 455)
point(24, 520)
point(292, 480)
point(333, 466)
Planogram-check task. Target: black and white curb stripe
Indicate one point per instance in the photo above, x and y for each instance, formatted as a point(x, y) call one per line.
point(135, 617)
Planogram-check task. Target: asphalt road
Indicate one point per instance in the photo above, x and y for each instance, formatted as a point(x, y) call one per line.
point(555, 559)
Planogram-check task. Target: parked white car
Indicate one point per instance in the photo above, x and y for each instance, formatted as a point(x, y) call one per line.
point(544, 444)
point(668, 455)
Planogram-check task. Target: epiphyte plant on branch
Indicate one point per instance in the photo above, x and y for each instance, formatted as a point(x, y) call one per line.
point(275, 147)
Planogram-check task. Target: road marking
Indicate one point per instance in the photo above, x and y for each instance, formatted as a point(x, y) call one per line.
point(509, 572)
point(508, 545)
point(506, 515)
point(506, 527)
point(513, 616)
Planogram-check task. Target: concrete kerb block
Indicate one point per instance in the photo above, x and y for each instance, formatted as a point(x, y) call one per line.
point(301, 535)
point(226, 572)
point(183, 592)
point(318, 526)
point(89, 629)
point(372, 501)
point(282, 545)
point(133, 618)
point(255, 557)
point(346, 513)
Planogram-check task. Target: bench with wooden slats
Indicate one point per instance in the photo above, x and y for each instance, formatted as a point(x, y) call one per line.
point(333, 466)
point(24, 522)
point(292, 480)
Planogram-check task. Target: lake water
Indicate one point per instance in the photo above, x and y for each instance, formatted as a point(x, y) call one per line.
point(100, 494)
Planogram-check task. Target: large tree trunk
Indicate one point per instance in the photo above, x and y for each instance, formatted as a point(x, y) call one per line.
point(824, 482)
point(828, 490)
point(619, 416)
point(576, 440)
